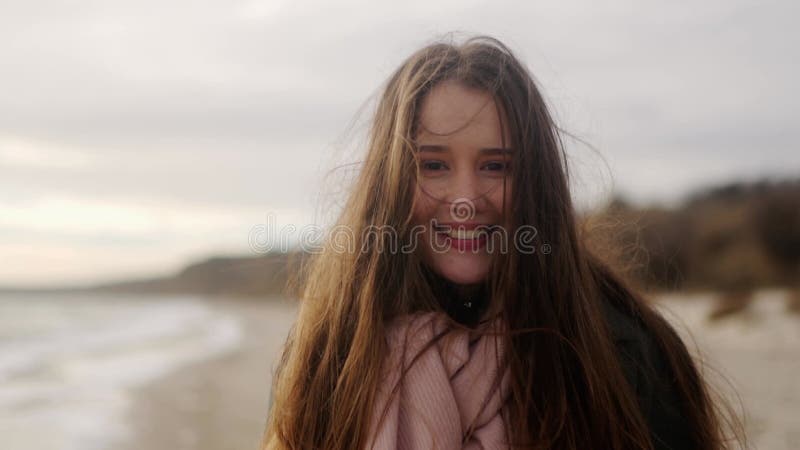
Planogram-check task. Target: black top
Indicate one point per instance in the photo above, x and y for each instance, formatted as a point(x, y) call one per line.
point(656, 393)
point(464, 305)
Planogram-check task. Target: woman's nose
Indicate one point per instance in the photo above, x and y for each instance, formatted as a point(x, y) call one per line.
point(465, 184)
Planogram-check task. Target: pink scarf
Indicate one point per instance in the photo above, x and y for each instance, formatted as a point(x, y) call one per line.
point(450, 387)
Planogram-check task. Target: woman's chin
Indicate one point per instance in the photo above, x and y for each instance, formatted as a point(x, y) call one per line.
point(463, 273)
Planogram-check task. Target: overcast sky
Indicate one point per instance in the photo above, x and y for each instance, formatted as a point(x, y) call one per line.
point(138, 135)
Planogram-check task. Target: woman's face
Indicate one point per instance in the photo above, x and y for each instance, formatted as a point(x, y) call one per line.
point(462, 180)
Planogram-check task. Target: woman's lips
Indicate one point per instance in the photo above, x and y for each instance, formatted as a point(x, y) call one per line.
point(466, 245)
point(464, 236)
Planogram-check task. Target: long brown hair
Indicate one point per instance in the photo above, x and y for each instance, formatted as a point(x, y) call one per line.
point(568, 390)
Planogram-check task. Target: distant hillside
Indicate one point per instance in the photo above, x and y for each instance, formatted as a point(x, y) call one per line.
point(246, 276)
point(258, 276)
point(736, 237)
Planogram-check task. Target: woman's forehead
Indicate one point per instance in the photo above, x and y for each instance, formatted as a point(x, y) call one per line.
point(454, 110)
point(451, 105)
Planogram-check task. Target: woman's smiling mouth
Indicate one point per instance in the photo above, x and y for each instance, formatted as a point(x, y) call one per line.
point(463, 236)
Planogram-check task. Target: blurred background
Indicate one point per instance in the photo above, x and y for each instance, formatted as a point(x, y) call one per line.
point(155, 156)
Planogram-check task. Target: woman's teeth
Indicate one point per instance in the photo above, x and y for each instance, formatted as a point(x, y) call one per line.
point(463, 234)
point(460, 233)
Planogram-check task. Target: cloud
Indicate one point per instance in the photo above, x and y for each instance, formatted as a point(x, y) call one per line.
point(115, 113)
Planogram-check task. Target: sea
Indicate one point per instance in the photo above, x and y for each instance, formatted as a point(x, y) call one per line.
point(69, 363)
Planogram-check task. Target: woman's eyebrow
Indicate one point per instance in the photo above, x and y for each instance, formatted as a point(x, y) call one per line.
point(432, 148)
point(496, 151)
point(444, 148)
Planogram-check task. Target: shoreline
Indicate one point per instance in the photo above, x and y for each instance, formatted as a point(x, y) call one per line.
point(219, 403)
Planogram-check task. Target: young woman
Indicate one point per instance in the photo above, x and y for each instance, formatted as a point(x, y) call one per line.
point(467, 310)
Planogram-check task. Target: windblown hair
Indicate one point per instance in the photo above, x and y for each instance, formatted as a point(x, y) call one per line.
point(568, 390)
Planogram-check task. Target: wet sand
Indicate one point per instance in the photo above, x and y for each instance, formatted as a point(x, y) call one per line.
point(220, 403)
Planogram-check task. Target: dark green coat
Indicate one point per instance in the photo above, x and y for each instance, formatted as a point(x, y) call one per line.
point(656, 394)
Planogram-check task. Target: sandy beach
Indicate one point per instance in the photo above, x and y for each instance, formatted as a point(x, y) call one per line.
point(221, 403)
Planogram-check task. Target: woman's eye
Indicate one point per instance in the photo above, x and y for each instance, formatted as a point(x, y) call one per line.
point(433, 165)
point(497, 166)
